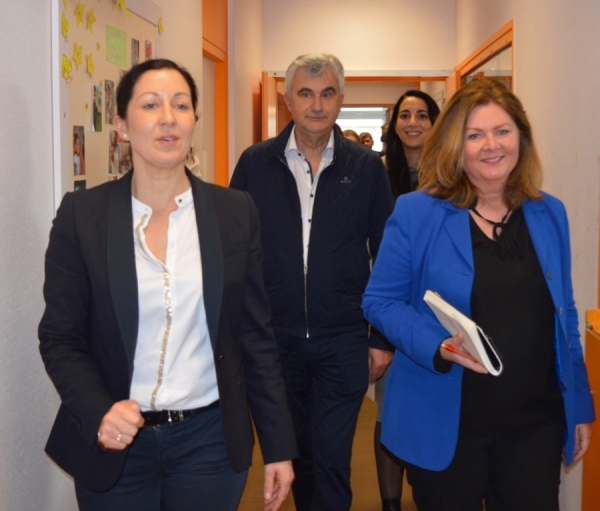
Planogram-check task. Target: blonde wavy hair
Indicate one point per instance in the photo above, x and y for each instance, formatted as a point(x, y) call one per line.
point(441, 171)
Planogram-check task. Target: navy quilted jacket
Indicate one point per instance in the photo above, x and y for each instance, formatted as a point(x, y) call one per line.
point(352, 203)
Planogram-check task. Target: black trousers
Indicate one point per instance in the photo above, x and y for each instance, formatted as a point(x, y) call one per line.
point(326, 379)
point(510, 472)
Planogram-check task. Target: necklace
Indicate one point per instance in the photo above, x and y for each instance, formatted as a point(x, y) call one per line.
point(497, 226)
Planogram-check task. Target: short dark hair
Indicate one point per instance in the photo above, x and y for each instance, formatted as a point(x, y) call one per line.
point(127, 83)
point(395, 159)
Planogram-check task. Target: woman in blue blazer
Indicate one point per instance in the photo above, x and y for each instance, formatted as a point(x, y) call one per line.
point(482, 235)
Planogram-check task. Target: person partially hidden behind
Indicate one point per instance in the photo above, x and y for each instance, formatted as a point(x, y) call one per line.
point(156, 328)
point(413, 116)
point(481, 233)
point(323, 202)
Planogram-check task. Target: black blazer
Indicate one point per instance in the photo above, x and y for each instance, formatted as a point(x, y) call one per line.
point(89, 328)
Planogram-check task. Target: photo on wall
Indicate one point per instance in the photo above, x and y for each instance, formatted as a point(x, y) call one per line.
point(78, 151)
point(97, 108)
point(109, 97)
point(148, 49)
point(135, 52)
point(119, 154)
point(125, 160)
point(113, 152)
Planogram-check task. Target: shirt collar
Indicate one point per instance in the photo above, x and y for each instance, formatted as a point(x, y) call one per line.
point(182, 200)
point(291, 148)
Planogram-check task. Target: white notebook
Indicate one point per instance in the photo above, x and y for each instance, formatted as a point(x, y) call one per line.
point(476, 342)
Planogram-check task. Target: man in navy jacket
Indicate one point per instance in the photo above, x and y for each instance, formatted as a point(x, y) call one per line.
point(323, 203)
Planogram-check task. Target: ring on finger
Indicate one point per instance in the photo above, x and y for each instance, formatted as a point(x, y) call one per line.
point(119, 437)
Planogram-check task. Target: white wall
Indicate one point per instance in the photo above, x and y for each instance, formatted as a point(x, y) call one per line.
point(557, 77)
point(28, 480)
point(376, 35)
point(245, 68)
point(375, 93)
point(181, 41)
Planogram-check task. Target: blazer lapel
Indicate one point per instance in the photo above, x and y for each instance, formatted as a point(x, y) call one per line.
point(122, 277)
point(457, 227)
point(537, 223)
point(211, 252)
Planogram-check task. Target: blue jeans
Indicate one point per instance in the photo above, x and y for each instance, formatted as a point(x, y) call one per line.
point(326, 379)
point(173, 467)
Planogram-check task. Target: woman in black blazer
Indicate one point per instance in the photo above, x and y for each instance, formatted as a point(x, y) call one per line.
point(156, 329)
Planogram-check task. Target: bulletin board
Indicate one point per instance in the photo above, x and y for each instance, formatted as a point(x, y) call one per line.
point(99, 41)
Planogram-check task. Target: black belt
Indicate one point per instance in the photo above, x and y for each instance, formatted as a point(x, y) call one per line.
point(160, 417)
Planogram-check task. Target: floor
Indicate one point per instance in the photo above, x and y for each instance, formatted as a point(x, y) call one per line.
point(364, 476)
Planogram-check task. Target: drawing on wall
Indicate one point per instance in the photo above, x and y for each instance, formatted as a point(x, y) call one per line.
point(109, 95)
point(135, 52)
point(78, 151)
point(148, 49)
point(97, 108)
point(79, 185)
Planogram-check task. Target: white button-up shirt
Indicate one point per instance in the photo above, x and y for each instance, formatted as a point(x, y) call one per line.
point(174, 365)
point(307, 186)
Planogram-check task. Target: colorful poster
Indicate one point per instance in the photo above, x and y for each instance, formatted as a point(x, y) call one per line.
point(148, 49)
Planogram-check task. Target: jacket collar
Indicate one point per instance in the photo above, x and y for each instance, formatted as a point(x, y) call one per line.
point(211, 250)
point(457, 227)
point(280, 142)
point(122, 277)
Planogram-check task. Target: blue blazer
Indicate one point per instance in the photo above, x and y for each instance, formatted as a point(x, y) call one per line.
point(427, 245)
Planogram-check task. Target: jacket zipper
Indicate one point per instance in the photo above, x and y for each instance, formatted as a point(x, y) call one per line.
point(306, 300)
point(284, 162)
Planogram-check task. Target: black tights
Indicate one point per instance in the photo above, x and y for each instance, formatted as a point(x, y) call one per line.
point(390, 472)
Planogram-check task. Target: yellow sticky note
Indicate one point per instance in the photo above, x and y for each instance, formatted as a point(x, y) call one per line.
point(160, 26)
point(77, 58)
point(91, 18)
point(90, 64)
point(79, 10)
point(123, 5)
point(66, 67)
point(64, 25)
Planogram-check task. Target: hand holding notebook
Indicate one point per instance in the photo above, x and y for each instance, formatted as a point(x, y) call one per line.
point(476, 342)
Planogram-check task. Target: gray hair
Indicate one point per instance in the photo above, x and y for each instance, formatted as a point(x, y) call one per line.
point(315, 64)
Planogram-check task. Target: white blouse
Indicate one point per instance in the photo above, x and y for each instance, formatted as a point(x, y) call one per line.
point(174, 364)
